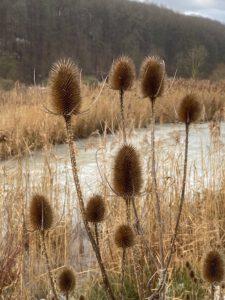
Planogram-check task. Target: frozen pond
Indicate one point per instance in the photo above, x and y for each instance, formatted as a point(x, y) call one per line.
point(170, 143)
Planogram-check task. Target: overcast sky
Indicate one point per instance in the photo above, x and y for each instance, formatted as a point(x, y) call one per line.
point(214, 9)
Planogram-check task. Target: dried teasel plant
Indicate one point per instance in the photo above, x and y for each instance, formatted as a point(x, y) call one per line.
point(152, 75)
point(41, 214)
point(67, 282)
point(124, 238)
point(95, 212)
point(81, 297)
point(190, 109)
point(189, 112)
point(127, 176)
point(41, 219)
point(213, 269)
point(121, 78)
point(65, 88)
point(66, 100)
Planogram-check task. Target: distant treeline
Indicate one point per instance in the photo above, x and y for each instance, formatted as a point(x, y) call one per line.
point(35, 33)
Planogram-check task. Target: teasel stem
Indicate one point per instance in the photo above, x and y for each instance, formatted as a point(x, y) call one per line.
point(140, 232)
point(137, 221)
point(182, 198)
point(122, 116)
point(82, 207)
point(128, 210)
point(67, 296)
point(96, 234)
point(212, 291)
point(137, 272)
point(123, 273)
point(42, 236)
point(155, 187)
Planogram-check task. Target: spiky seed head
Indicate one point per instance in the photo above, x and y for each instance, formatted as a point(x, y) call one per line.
point(95, 210)
point(65, 87)
point(122, 74)
point(67, 281)
point(127, 173)
point(213, 267)
point(192, 274)
point(188, 265)
point(82, 297)
point(124, 236)
point(41, 214)
point(152, 77)
point(190, 109)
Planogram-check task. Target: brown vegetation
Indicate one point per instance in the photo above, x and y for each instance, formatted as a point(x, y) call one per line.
point(24, 127)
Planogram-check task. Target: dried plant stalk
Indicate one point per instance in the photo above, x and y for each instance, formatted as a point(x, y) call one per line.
point(82, 208)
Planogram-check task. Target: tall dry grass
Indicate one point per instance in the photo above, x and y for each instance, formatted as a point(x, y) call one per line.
point(24, 127)
point(202, 227)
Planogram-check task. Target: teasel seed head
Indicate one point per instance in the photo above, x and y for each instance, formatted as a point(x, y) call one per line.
point(190, 109)
point(82, 297)
point(65, 87)
point(188, 265)
point(152, 77)
point(127, 173)
point(95, 210)
point(122, 74)
point(213, 267)
point(67, 281)
point(41, 214)
point(192, 274)
point(124, 237)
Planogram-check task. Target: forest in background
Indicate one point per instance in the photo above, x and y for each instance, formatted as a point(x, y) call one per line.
point(35, 33)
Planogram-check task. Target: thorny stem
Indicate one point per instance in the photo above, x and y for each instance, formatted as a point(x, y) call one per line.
point(122, 273)
point(42, 236)
point(128, 210)
point(137, 221)
point(212, 291)
point(155, 187)
point(140, 232)
point(96, 234)
point(182, 198)
point(122, 115)
point(82, 208)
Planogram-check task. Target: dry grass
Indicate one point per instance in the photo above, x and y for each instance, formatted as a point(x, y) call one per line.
point(202, 227)
point(24, 127)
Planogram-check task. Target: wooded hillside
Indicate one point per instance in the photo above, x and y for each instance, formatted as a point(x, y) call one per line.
point(35, 33)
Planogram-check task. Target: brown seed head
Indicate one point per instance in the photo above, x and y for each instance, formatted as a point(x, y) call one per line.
point(188, 265)
point(41, 214)
point(66, 281)
point(213, 267)
point(152, 77)
point(82, 297)
point(124, 236)
point(192, 274)
point(190, 109)
point(95, 210)
point(127, 173)
point(65, 87)
point(122, 74)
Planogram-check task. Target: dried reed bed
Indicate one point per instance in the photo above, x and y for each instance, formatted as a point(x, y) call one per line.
point(202, 227)
point(24, 127)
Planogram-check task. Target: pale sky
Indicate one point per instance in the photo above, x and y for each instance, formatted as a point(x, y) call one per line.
point(214, 9)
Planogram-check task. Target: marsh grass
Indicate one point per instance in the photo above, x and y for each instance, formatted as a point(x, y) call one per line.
point(24, 127)
point(201, 224)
